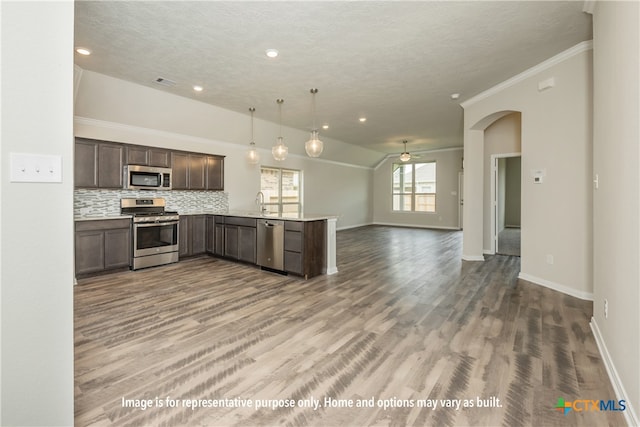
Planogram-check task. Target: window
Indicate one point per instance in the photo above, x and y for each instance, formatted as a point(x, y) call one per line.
point(282, 191)
point(414, 187)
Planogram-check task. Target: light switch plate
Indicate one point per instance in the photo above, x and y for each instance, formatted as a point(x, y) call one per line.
point(27, 167)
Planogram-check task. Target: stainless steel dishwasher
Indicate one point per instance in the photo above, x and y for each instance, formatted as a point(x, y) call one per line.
point(271, 243)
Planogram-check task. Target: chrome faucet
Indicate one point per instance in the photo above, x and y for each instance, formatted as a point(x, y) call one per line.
point(260, 202)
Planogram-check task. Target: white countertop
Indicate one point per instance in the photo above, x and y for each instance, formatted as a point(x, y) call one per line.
point(246, 214)
point(243, 214)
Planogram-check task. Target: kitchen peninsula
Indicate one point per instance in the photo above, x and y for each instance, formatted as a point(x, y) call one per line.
point(304, 245)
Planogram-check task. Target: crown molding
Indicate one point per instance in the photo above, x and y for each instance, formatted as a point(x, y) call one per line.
point(554, 60)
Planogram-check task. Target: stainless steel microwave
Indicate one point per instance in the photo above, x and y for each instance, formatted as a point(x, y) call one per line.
point(138, 177)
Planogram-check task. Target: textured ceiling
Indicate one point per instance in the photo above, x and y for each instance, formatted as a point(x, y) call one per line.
point(397, 63)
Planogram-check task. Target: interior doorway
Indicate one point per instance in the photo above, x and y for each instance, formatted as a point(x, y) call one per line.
point(506, 196)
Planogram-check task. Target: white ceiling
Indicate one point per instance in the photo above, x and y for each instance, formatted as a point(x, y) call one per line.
point(395, 62)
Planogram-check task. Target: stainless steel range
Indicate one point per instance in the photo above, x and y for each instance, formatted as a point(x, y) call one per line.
point(155, 232)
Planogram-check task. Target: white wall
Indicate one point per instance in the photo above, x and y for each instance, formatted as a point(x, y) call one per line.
point(115, 110)
point(448, 164)
point(37, 219)
point(556, 137)
point(616, 154)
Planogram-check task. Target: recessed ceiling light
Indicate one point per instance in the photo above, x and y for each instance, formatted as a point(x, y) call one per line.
point(455, 95)
point(271, 53)
point(198, 88)
point(83, 51)
point(325, 126)
point(362, 119)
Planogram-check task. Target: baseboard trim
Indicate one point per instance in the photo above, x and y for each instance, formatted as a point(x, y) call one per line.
point(348, 227)
point(616, 382)
point(556, 286)
point(472, 257)
point(434, 227)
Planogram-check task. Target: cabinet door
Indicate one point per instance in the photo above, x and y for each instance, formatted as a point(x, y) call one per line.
point(198, 234)
point(211, 229)
point(218, 235)
point(89, 251)
point(197, 169)
point(247, 244)
point(231, 241)
point(85, 170)
point(136, 155)
point(180, 171)
point(183, 237)
point(117, 248)
point(110, 158)
point(215, 173)
point(159, 158)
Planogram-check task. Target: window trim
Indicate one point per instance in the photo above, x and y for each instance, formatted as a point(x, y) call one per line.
point(413, 195)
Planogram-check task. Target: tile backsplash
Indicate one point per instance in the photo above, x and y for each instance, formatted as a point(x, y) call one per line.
point(104, 203)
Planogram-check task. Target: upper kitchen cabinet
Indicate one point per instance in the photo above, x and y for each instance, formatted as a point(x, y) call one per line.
point(98, 164)
point(188, 171)
point(215, 173)
point(194, 171)
point(147, 156)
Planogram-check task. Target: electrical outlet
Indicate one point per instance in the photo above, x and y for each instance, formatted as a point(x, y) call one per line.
point(550, 259)
point(606, 309)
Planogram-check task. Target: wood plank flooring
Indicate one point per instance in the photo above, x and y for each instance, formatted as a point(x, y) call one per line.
point(403, 323)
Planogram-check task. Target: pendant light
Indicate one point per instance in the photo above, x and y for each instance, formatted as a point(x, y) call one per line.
point(405, 156)
point(253, 157)
point(280, 150)
point(313, 146)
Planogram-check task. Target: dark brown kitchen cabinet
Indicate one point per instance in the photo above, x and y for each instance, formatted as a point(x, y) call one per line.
point(210, 230)
point(98, 164)
point(197, 171)
point(234, 238)
point(304, 247)
point(147, 156)
point(215, 173)
point(188, 171)
point(102, 245)
point(192, 235)
point(215, 235)
point(180, 171)
point(85, 172)
point(110, 165)
point(218, 235)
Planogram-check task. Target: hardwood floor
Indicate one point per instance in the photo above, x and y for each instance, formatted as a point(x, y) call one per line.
point(403, 323)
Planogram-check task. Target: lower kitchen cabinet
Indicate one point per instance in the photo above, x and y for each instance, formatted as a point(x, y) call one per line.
point(192, 236)
point(240, 239)
point(102, 245)
point(235, 238)
point(304, 247)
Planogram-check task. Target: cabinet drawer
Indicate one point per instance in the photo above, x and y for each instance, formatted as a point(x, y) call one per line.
point(293, 262)
point(292, 241)
point(293, 225)
point(244, 222)
point(106, 224)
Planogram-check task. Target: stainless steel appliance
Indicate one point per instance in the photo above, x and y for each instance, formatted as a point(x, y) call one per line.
point(138, 177)
point(270, 243)
point(155, 232)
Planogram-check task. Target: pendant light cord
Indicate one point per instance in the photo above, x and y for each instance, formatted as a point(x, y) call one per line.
point(313, 108)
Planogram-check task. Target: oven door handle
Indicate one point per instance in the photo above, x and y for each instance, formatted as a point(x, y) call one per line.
point(154, 224)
